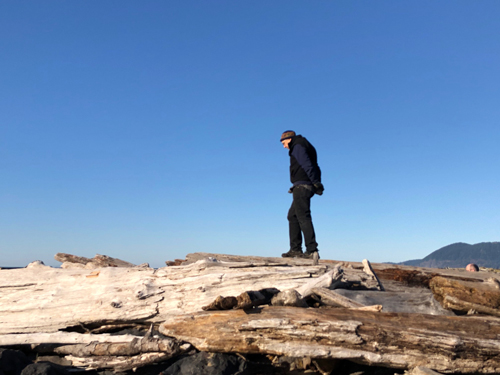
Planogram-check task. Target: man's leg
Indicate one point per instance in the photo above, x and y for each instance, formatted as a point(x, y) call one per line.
point(302, 204)
point(294, 230)
point(294, 233)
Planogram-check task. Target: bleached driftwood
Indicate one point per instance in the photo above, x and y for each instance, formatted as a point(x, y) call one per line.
point(369, 270)
point(442, 343)
point(51, 299)
point(96, 262)
point(374, 308)
point(134, 347)
point(44, 300)
point(324, 281)
point(416, 300)
point(454, 303)
point(62, 338)
point(117, 352)
point(332, 298)
point(118, 363)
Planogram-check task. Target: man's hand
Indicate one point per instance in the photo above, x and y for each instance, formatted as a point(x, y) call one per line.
point(290, 191)
point(319, 188)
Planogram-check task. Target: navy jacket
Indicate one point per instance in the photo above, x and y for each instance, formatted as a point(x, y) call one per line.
point(304, 168)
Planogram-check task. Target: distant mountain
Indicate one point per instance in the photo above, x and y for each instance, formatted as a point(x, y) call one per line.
point(458, 255)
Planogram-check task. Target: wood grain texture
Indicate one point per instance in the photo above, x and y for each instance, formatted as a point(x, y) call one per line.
point(442, 343)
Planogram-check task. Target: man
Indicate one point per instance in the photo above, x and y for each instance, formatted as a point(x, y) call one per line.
point(305, 176)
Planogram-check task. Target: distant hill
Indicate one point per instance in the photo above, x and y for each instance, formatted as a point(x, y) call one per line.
point(457, 255)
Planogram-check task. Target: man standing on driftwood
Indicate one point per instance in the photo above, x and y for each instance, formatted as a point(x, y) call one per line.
point(305, 176)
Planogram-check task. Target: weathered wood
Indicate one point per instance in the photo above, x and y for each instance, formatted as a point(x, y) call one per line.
point(324, 281)
point(62, 338)
point(44, 300)
point(96, 262)
point(374, 308)
point(51, 299)
point(134, 347)
point(369, 270)
point(118, 363)
point(398, 299)
point(442, 343)
point(464, 294)
point(454, 303)
point(332, 298)
point(117, 352)
point(409, 275)
point(420, 370)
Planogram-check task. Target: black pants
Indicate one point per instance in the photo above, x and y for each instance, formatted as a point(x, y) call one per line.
point(300, 221)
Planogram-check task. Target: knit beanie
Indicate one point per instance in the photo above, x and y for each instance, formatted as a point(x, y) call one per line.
point(287, 134)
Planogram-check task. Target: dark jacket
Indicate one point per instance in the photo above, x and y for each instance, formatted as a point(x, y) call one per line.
point(304, 168)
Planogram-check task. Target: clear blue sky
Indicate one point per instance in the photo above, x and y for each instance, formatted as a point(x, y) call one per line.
point(147, 130)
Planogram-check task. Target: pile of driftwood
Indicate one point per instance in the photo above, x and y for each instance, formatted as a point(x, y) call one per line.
point(104, 313)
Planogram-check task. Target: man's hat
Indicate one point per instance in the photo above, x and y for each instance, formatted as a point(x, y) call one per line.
point(287, 135)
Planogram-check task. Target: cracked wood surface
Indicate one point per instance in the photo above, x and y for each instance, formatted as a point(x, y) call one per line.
point(38, 301)
point(119, 363)
point(62, 338)
point(49, 299)
point(45, 299)
point(463, 295)
point(442, 343)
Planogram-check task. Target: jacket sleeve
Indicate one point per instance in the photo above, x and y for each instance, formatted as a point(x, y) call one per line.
point(300, 154)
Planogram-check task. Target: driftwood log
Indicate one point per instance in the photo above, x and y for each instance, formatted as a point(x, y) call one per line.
point(464, 295)
point(332, 298)
point(62, 338)
point(118, 363)
point(39, 302)
point(442, 343)
point(97, 262)
point(52, 299)
point(40, 305)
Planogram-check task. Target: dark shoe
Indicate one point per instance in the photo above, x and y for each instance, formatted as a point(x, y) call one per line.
point(293, 254)
point(310, 254)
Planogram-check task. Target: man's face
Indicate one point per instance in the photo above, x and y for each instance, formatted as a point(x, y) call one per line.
point(286, 143)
